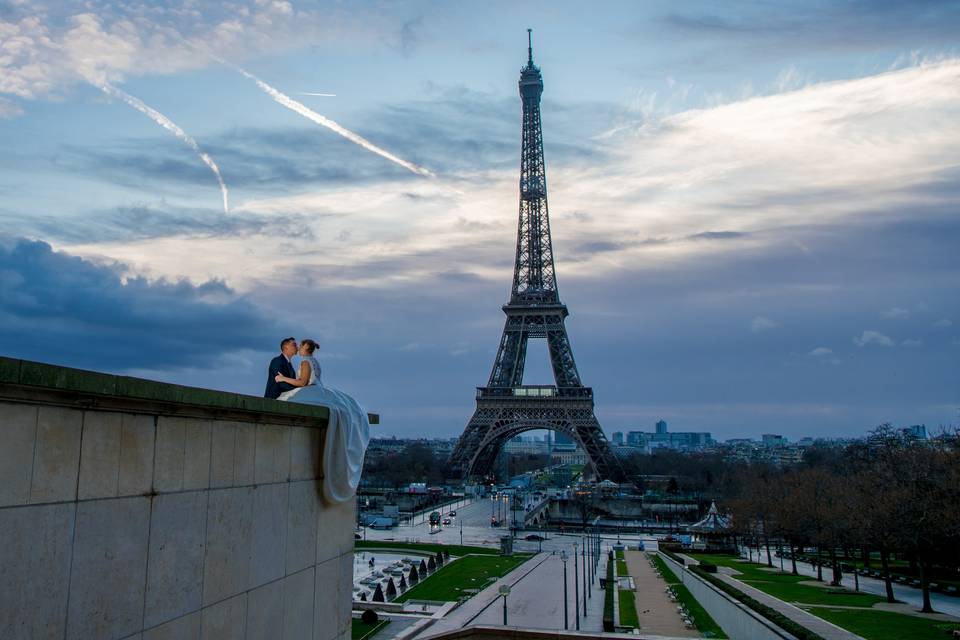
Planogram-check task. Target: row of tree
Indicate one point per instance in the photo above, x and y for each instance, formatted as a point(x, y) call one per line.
point(417, 462)
point(886, 495)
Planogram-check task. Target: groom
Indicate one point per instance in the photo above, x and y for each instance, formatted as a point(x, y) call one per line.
point(281, 364)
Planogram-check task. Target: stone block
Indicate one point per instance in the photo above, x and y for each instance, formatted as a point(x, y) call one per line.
point(185, 628)
point(325, 597)
point(244, 454)
point(226, 569)
point(10, 370)
point(109, 566)
point(136, 454)
point(304, 453)
point(18, 426)
point(48, 375)
point(345, 592)
point(225, 620)
point(56, 455)
point(335, 526)
point(148, 389)
point(298, 605)
point(265, 611)
point(269, 534)
point(35, 544)
point(196, 456)
point(178, 523)
point(302, 510)
point(272, 463)
point(168, 465)
point(99, 455)
point(223, 444)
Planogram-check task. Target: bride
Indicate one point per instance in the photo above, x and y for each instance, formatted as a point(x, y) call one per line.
point(348, 430)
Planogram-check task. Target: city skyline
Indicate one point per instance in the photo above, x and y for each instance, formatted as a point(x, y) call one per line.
point(754, 215)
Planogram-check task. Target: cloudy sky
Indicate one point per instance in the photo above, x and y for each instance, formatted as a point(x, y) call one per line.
point(755, 210)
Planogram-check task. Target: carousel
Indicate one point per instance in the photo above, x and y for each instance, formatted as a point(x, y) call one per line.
point(713, 533)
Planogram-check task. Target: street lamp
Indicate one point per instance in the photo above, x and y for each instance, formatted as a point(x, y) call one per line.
point(576, 587)
point(563, 556)
point(504, 591)
point(585, 570)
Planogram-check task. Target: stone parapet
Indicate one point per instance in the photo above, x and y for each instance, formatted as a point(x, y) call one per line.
point(138, 509)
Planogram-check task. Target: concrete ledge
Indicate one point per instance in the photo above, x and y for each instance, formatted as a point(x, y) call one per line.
point(479, 632)
point(36, 382)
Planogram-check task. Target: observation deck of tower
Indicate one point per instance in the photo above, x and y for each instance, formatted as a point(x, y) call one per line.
point(505, 406)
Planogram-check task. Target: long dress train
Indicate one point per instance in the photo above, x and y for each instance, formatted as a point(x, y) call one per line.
point(348, 434)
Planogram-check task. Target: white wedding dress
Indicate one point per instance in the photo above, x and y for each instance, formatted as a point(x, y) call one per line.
point(348, 433)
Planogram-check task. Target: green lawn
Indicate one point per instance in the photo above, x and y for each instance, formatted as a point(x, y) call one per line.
point(701, 619)
point(885, 625)
point(872, 624)
point(628, 609)
point(359, 629)
point(787, 586)
point(469, 572)
point(454, 549)
point(621, 564)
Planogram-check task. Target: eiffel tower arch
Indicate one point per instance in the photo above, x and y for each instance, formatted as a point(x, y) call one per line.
point(506, 407)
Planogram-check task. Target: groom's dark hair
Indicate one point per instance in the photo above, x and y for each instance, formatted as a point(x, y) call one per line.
point(285, 341)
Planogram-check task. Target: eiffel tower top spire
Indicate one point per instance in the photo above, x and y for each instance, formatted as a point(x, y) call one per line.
point(534, 280)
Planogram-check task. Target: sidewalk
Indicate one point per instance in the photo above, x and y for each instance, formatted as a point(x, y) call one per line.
point(655, 611)
point(535, 600)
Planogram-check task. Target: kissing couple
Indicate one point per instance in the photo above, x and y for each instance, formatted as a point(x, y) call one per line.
point(348, 426)
point(281, 378)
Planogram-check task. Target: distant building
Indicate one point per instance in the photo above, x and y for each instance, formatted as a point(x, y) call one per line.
point(915, 432)
point(661, 438)
point(773, 440)
point(617, 438)
point(561, 438)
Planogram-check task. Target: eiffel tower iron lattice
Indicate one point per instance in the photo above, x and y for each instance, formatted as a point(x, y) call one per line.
point(507, 407)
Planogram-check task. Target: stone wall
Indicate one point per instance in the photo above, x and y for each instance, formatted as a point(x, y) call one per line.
point(134, 509)
point(737, 620)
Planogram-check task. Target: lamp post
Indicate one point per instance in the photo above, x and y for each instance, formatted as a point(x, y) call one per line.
point(504, 591)
point(576, 587)
point(563, 556)
point(585, 571)
point(461, 532)
point(592, 543)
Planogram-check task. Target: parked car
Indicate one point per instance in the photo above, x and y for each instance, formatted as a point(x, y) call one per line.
point(533, 537)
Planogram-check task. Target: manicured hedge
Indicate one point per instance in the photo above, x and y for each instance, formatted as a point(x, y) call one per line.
point(608, 599)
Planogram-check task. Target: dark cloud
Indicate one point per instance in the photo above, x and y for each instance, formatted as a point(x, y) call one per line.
point(65, 309)
point(143, 222)
point(861, 24)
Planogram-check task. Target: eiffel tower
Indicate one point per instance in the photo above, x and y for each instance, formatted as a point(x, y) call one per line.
point(507, 407)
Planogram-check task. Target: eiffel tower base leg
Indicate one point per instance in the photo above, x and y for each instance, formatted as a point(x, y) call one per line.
point(497, 420)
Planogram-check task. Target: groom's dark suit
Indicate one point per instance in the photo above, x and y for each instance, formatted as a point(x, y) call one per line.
point(274, 388)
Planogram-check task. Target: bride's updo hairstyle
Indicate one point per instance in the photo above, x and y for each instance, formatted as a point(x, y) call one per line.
point(310, 345)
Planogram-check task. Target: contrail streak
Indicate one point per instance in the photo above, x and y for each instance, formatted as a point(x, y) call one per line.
point(309, 114)
point(169, 125)
point(324, 95)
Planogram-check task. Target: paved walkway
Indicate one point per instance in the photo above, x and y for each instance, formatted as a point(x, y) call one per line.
point(656, 612)
point(535, 600)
